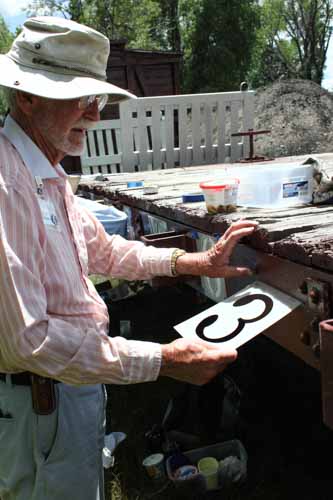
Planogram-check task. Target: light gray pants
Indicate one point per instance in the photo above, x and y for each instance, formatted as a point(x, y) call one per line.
point(52, 457)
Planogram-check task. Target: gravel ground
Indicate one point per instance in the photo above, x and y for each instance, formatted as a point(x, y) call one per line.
point(280, 426)
point(299, 114)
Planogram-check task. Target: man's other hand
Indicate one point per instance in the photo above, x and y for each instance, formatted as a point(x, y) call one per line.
point(194, 361)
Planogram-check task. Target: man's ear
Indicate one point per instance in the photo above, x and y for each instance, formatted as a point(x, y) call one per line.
point(26, 102)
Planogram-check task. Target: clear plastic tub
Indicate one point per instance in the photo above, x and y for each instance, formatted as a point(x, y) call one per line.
point(276, 185)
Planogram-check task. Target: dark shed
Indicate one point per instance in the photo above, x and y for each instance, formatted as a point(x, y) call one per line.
point(145, 73)
point(142, 72)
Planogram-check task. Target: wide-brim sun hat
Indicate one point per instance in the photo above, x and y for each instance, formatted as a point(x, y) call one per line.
point(59, 59)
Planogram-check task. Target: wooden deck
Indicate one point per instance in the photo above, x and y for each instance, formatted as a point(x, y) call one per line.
point(301, 234)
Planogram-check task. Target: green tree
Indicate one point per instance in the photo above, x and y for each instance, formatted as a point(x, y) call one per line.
point(6, 38)
point(297, 32)
point(221, 42)
point(48, 8)
point(138, 22)
point(270, 60)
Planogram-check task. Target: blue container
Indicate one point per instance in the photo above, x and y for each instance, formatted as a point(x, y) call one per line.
point(114, 221)
point(134, 184)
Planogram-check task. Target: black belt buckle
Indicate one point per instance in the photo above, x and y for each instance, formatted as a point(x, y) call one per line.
point(43, 395)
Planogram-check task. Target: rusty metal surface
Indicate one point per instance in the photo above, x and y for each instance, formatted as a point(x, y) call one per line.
point(299, 331)
point(326, 362)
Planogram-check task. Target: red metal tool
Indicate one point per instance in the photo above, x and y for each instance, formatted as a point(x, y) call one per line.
point(251, 133)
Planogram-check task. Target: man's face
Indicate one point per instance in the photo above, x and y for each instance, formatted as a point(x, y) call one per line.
point(62, 124)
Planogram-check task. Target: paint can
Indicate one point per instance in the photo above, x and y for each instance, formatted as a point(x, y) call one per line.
point(154, 465)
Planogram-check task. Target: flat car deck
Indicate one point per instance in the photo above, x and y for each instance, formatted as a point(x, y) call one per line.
point(301, 234)
point(292, 251)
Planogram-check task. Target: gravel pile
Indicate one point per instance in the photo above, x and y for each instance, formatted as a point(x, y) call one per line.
point(299, 114)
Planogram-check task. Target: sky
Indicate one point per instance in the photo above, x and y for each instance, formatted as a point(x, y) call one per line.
point(11, 10)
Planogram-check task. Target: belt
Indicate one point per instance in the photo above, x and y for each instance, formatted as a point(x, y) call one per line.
point(23, 378)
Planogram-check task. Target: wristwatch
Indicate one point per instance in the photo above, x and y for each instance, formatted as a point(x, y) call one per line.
point(175, 254)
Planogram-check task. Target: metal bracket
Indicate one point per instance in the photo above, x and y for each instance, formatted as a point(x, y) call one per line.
point(319, 302)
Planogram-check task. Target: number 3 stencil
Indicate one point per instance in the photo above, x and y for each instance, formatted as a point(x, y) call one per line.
point(261, 303)
point(243, 301)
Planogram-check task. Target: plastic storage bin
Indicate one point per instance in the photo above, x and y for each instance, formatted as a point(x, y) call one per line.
point(113, 220)
point(220, 451)
point(274, 186)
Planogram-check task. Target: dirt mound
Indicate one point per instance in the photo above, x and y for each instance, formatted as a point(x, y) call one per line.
point(299, 114)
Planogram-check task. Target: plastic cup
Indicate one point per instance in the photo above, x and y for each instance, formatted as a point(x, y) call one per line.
point(220, 195)
point(208, 467)
point(154, 465)
point(185, 472)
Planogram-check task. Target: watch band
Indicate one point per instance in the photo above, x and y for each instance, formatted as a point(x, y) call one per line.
point(175, 254)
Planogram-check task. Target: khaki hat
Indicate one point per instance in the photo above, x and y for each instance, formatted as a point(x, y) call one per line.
point(59, 59)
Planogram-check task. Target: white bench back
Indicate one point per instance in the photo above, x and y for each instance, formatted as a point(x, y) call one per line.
point(103, 151)
point(170, 131)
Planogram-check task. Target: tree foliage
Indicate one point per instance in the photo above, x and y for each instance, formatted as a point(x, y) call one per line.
point(6, 38)
point(297, 34)
point(146, 24)
point(221, 44)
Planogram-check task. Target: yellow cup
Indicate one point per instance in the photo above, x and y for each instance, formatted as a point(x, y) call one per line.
point(208, 467)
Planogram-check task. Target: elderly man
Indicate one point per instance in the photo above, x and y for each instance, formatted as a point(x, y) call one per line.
point(55, 352)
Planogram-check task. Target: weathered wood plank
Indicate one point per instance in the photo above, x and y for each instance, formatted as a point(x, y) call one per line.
point(300, 234)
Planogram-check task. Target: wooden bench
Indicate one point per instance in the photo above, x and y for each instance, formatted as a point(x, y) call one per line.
point(170, 131)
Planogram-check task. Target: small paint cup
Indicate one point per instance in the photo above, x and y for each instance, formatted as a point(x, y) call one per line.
point(154, 465)
point(220, 195)
point(208, 467)
point(186, 471)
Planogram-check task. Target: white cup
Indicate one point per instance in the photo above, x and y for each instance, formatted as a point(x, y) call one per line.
point(154, 465)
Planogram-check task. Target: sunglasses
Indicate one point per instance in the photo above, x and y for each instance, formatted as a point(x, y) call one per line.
point(87, 100)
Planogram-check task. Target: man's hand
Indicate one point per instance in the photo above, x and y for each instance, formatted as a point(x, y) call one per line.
point(194, 361)
point(214, 263)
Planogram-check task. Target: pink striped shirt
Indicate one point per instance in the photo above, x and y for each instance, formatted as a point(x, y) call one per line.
point(52, 320)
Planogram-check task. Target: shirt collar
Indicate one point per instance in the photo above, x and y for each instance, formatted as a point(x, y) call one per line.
point(32, 156)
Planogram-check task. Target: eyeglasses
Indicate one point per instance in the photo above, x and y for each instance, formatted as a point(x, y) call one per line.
point(87, 100)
